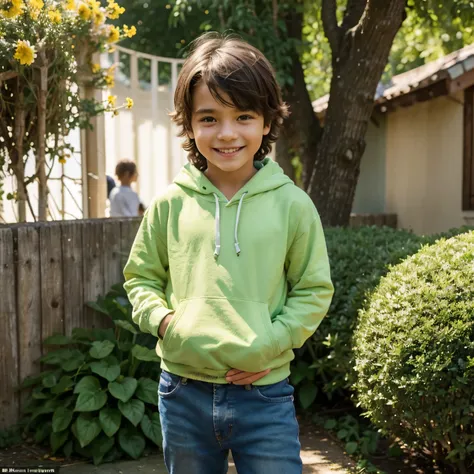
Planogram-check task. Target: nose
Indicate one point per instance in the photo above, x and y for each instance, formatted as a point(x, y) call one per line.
point(226, 132)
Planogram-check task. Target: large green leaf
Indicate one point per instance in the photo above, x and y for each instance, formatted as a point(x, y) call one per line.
point(56, 440)
point(44, 430)
point(126, 325)
point(124, 389)
point(109, 368)
point(87, 428)
point(57, 340)
point(63, 385)
point(133, 410)
point(61, 418)
point(132, 442)
point(147, 391)
point(101, 349)
point(50, 381)
point(90, 401)
point(145, 354)
point(307, 394)
point(152, 428)
point(47, 407)
point(89, 383)
point(100, 447)
point(110, 419)
point(74, 362)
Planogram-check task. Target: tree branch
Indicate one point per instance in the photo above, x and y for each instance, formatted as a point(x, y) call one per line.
point(354, 13)
point(331, 28)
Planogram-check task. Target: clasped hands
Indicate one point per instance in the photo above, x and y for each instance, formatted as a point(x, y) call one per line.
point(235, 376)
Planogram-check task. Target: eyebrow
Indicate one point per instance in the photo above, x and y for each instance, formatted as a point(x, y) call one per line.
point(205, 111)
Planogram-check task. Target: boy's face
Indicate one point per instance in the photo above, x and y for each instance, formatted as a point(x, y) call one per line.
point(227, 137)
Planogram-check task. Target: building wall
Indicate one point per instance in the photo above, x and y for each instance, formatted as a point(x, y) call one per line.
point(370, 191)
point(424, 165)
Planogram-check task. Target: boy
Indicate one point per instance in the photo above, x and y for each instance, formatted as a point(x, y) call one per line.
point(229, 269)
point(124, 201)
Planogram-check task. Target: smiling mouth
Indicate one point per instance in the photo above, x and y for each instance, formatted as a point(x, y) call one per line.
point(228, 151)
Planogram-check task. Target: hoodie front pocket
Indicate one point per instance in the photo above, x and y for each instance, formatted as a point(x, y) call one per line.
point(217, 333)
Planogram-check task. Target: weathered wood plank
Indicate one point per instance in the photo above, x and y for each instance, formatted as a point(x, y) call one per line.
point(73, 285)
point(52, 297)
point(112, 258)
point(28, 297)
point(128, 233)
point(93, 269)
point(9, 400)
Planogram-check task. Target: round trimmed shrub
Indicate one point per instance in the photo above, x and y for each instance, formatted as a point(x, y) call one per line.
point(414, 351)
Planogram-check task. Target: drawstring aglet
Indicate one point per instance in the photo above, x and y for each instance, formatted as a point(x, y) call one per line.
point(237, 249)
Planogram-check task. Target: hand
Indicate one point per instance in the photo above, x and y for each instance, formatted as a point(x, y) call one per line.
point(239, 377)
point(164, 324)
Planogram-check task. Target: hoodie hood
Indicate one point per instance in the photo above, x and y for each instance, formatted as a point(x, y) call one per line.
point(270, 176)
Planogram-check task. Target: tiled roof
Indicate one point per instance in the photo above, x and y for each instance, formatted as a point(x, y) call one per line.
point(451, 66)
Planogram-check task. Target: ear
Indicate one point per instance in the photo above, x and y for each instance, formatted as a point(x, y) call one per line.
point(266, 129)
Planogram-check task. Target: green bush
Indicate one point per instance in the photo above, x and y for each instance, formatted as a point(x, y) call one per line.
point(99, 396)
point(414, 349)
point(359, 257)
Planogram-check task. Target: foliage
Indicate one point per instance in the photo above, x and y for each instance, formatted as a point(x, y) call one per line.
point(11, 436)
point(46, 50)
point(99, 396)
point(414, 350)
point(359, 438)
point(431, 30)
point(359, 257)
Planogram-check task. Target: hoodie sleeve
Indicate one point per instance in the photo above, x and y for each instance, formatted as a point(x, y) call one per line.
point(146, 274)
point(310, 288)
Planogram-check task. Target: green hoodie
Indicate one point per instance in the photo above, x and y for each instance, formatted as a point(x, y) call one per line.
point(248, 278)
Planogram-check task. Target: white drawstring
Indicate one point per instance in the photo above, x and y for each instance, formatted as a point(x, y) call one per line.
point(236, 239)
point(217, 250)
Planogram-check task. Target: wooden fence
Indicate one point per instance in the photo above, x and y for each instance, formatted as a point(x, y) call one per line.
point(48, 272)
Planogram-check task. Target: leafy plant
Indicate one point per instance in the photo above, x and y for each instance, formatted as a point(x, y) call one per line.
point(323, 369)
point(414, 349)
point(99, 396)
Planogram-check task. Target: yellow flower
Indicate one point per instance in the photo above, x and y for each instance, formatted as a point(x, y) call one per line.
point(84, 11)
point(129, 32)
point(95, 68)
point(36, 4)
point(111, 100)
point(25, 53)
point(34, 14)
point(129, 102)
point(94, 4)
point(54, 16)
point(62, 160)
point(71, 5)
point(109, 80)
point(98, 16)
point(15, 10)
point(114, 34)
point(114, 10)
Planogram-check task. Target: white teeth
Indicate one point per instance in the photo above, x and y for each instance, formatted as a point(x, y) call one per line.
point(228, 150)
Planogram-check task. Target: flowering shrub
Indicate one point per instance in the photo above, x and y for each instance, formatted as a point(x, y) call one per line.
point(47, 50)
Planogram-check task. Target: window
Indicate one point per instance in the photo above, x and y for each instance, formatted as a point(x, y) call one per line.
point(468, 168)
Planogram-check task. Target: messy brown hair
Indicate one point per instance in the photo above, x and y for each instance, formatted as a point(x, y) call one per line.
point(228, 65)
point(125, 167)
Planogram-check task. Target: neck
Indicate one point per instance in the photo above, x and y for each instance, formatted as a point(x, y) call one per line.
point(229, 183)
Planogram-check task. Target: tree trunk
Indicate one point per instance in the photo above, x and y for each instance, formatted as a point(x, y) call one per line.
point(302, 131)
point(41, 149)
point(360, 49)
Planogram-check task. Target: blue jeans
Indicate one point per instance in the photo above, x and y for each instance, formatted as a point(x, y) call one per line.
point(201, 422)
